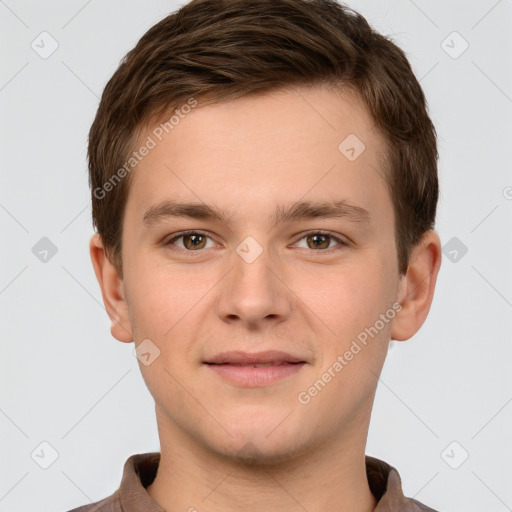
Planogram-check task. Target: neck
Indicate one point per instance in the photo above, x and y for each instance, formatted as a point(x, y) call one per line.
point(327, 478)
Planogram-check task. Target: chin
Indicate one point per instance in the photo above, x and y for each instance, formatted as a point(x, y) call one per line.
point(263, 446)
point(254, 454)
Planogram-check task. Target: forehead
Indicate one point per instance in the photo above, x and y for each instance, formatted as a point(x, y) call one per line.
point(297, 143)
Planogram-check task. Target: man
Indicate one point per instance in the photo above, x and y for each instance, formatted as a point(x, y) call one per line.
point(264, 188)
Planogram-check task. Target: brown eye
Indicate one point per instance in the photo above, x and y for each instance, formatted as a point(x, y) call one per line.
point(192, 241)
point(195, 241)
point(318, 241)
point(321, 241)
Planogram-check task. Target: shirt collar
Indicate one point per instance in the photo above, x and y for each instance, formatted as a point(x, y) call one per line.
point(140, 471)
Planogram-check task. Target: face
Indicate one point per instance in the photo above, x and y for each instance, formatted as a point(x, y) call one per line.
point(260, 279)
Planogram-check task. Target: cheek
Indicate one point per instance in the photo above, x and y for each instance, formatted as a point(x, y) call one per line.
point(163, 296)
point(346, 298)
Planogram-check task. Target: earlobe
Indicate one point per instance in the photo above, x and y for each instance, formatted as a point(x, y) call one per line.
point(112, 290)
point(416, 289)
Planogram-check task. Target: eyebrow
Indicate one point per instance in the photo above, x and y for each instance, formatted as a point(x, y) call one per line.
point(301, 210)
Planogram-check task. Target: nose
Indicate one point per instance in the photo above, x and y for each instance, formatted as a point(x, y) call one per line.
point(254, 293)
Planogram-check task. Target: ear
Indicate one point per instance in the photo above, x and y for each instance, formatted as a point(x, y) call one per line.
point(416, 289)
point(112, 290)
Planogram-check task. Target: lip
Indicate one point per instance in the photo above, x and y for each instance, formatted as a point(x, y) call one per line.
point(246, 358)
point(240, 367)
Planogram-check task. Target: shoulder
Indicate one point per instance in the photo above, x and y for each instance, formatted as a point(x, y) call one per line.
point(416, 506)
point(386, 485)
point(109, 504)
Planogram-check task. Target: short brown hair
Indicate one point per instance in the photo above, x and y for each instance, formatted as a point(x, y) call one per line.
point(224, 49)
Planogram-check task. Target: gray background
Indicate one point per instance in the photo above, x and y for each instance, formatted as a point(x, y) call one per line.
point(64, 379)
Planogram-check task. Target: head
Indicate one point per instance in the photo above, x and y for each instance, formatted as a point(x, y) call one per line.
point(246, 108)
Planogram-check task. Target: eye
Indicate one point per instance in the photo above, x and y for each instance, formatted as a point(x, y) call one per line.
point(192, 240)
point(321, 240)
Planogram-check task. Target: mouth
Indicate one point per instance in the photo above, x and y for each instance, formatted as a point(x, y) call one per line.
point(267, 358)
point(259, 369)
point(256, 365)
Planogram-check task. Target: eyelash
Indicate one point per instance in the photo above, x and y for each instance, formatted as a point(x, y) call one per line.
point(170, 241)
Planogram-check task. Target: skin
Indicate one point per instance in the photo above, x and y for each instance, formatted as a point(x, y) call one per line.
point(242, 448)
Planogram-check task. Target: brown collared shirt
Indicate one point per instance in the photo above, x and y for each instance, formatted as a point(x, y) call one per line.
point(140, 471)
